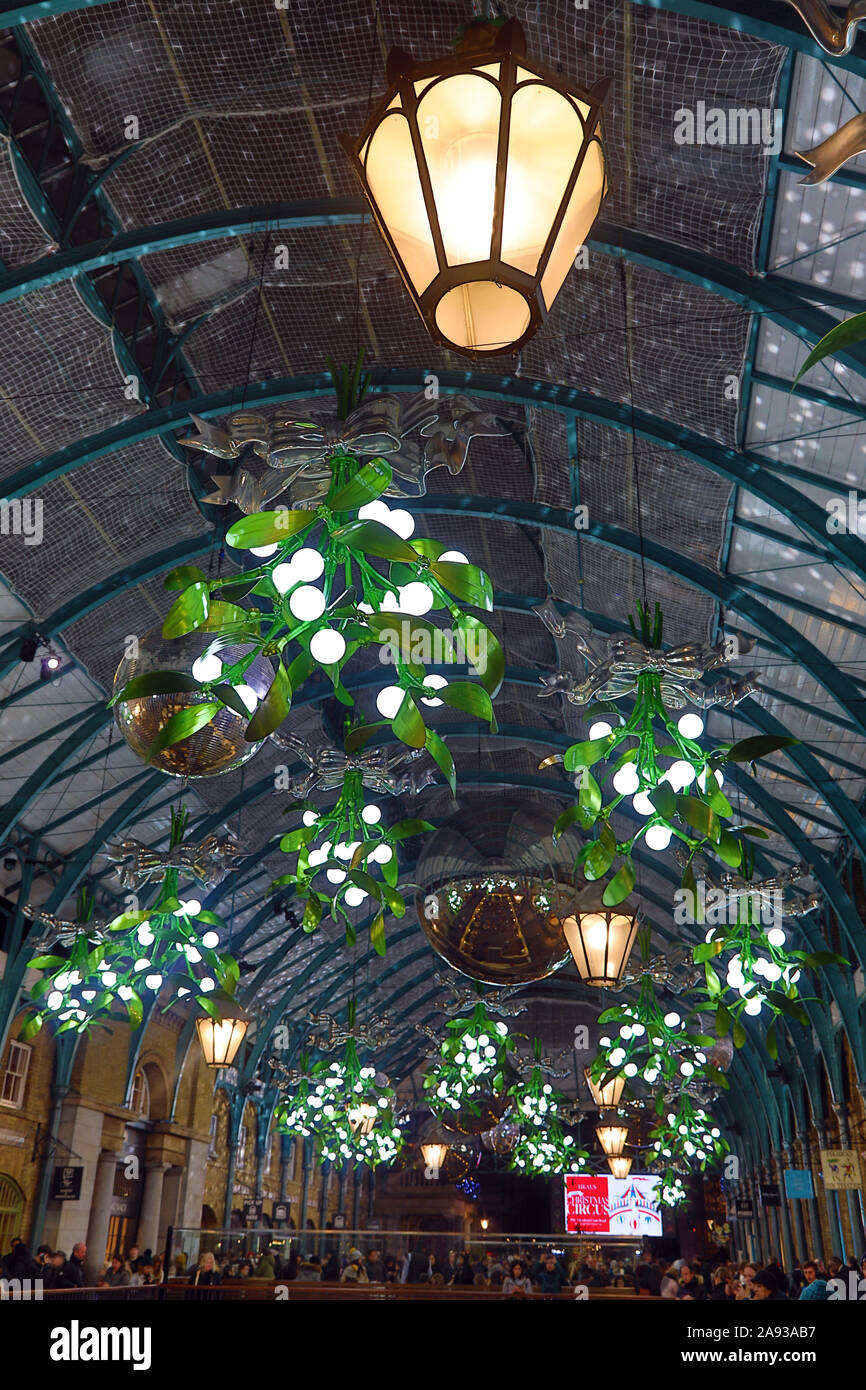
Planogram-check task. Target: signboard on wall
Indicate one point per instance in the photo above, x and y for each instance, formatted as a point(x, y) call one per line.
point(841, 1168)
point(744, 1209)
point(602, 1205)
point(253, 1211)
point(770, 1194)
point(281, 1211)
point(798, 1183)
point(67, 1183)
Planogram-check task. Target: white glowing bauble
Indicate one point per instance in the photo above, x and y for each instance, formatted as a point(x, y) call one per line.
point(284, 578)
point(327, 646)
point(600, 729)
point(109, 979)
point(630, 1069)
point(687, 1069)
point(248, 696)
point(658, 837)
point(638, 1030)
point(307, 603)
point(643, 805)
point(389, 700)
point(263, 551)
point(776, 936)
point(336, 875)
point(772, 972)
point(625, 1031)
point(617, 1057)
point(371, 815)
point(649, 1076)
point(192, 953)
point(690, 725)
point(753, 1007)
point(145, 935)
point(310, 817)
point(672, 1020)
point(308, 564)
point(316, 857)
point(702, 779)
point(436, 683)
point(207, 984)
point(125, 992)
point(416, 598)
point(210, 939)
point(375, 511)
point(454, 557)
point(626, 780)
point(141, 964)
point(760, 966)
point(354, 896)
point(382, 854)
point(207, 668)
point(390, 603)
point(153, 982)
point(401, 522)
point(744, 989)
point(55, 999)
point(680, 775)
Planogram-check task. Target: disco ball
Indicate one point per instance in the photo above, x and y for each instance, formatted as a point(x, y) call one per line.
point(218, 747)
point(486, 1115)
point(493, 893)
point(498, 929)
point(502, 1138)
point(459, 1162)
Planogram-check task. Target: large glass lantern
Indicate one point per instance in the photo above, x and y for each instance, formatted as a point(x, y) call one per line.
point(612, 1138)
point(485, 173)
point(601, 942)
point(620, 1167)
point(608, 1094)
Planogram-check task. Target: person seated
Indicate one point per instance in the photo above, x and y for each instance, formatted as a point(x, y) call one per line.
point(549, 1275)
point(691, 1284)
point(206, 1272)
point(766, 1287)
point(116, 1275)
point(517, 1281)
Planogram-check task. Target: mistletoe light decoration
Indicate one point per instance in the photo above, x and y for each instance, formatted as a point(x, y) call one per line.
point(344, 857)
point(347, 1106)
point(336, 573)
point(475, 1060)
point(171, 949)
point(208, 861)
point(653, 1045)
point(685, 1131)
point(543, 1145)
point(658, 765)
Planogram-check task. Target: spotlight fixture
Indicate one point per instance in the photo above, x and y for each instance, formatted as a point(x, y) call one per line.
point(48, 665)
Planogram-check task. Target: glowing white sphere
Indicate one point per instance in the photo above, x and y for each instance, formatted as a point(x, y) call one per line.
point(55, 999)
point(263, 551)
point(310, 817)
point(308, 564)
point(658, 837)
point(672, 1020)
point(437, 683)
point(454, 557)
point(316, 857)
point(153, 982)
point(109, 979)
point(617, 1057)
point(284, 577)
point(382, 854)
point(776, 936)
point(680, 775)
point(371, 815)
point(753, 1007)
point(327, 646)
point(207, 668)
point(210, 940)
point(626, 780)
point(375, 511)
point(772, 972)
point(643, 805)
point(354, 896)
point(307, 603)
point(207, 984)
point(416, 598)
point(336, 876)
point(600, 729)
point(401, 522)
point(690, 725)
point(389, 700)
point(248, 696)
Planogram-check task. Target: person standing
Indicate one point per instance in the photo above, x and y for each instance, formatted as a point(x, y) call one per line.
point(73, 1270)
point(517, 1281)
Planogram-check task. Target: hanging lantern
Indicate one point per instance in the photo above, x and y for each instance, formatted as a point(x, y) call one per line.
point(485, 173)
point(612, 1138)
point(434, 1154)
point(607, 1095)
point(220, 1039)
point(600, 942)
point(620, 1167)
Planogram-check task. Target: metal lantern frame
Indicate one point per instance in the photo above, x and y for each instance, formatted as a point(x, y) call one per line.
point(609, 978)
point(409, 82)
point(220, 1039)
point(612, 1137)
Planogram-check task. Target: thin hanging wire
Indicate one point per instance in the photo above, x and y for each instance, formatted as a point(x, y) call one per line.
point(356, 319)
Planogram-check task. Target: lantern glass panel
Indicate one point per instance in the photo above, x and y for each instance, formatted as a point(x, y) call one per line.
point(580, 214)
point(544, 139)
point(458, 120)
point(392, 175)
point(482, 315)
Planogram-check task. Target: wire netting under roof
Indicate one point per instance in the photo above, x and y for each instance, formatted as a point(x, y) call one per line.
point(98, 638)
point(21, 237)
point(263, 93)
point(101, 519)
point(61, 381)
point(605, 581)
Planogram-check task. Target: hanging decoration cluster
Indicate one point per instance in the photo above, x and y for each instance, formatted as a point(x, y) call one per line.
point(543, 1146)
point(475, 1065)
point(171, 949)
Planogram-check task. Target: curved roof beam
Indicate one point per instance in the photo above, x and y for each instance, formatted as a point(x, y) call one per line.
point(748, 470)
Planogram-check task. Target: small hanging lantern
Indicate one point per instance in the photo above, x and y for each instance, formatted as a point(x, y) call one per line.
point(607, 1095)
point(485, 173)
point(600, 942)
point(620, 1167)
point(362, 1117)
point(220, 1039)
point(612, 1138)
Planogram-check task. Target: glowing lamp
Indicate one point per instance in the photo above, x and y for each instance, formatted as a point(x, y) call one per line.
point(485, 173)
point(600, 942)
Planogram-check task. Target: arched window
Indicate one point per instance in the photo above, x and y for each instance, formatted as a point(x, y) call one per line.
point(11, 1207)
point(139, 1102)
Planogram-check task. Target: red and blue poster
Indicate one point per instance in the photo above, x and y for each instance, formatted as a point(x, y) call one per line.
point(602, 1205)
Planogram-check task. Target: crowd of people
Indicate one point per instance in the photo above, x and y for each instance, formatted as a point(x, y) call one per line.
point(516, 1272)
